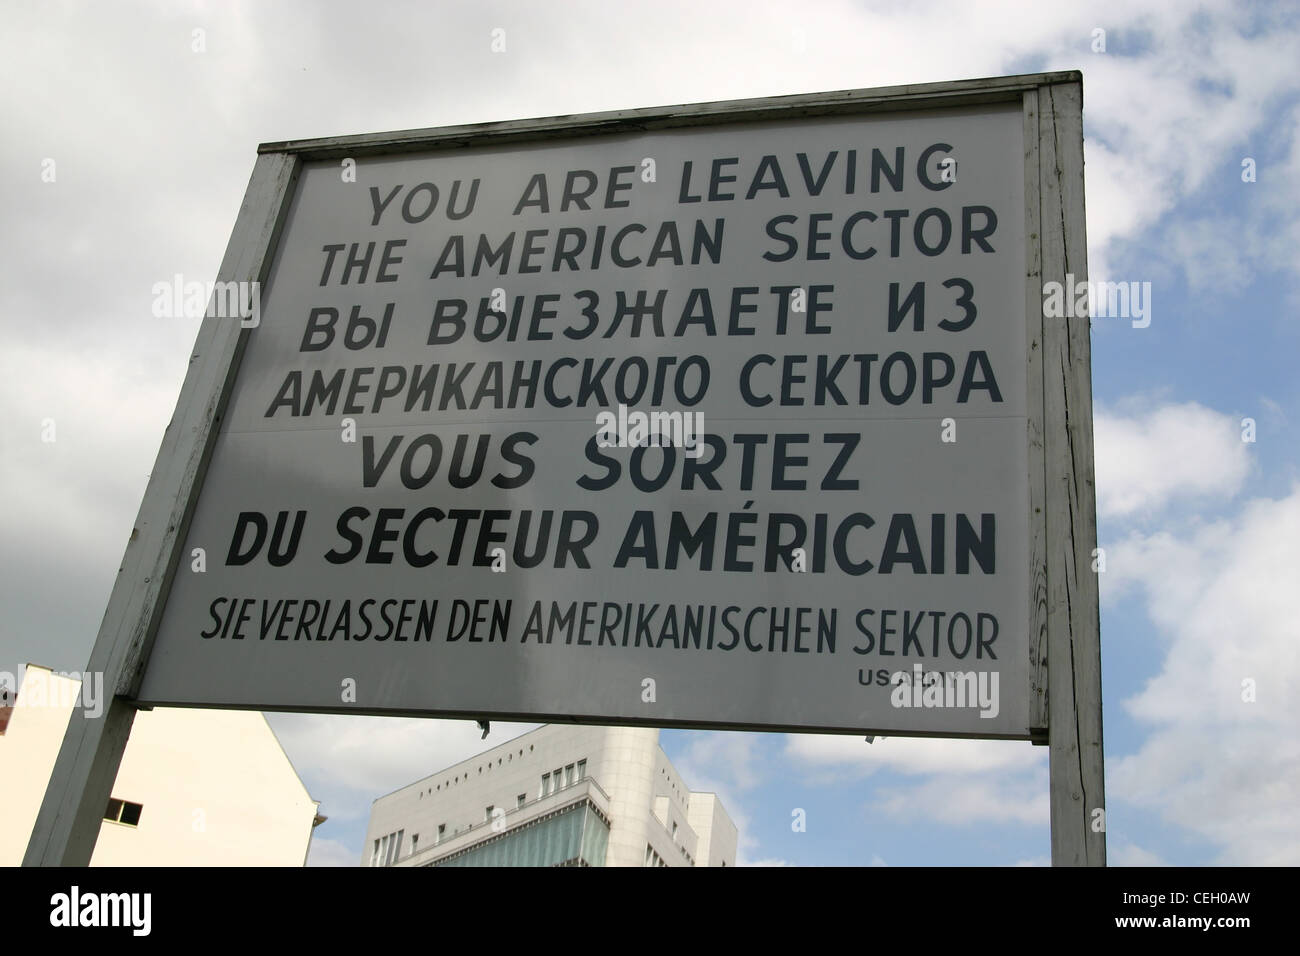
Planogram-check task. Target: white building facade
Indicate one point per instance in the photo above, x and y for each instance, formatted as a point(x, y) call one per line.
point(560, 795)
point(195, 787)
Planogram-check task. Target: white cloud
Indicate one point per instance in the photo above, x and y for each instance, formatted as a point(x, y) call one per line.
point(1222, 766)
point(965, 799)
point(964, 781)
point(913, 755)
point(1152, 458)
point(330, 853)
point(726, 763)
point(57, 490)
point(366, 757)
point(1123, 853)
point(722, 756)
point(70, 502)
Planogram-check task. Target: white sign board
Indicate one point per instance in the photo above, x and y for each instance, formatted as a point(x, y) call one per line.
point(427, 494)
point(415, 485)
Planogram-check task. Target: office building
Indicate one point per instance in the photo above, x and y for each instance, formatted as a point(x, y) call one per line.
point(560, 795)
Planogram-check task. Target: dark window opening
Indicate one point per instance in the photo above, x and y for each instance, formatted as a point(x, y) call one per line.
point(123, 811)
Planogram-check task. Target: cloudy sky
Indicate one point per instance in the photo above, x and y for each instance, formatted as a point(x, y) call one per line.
point(123, 161)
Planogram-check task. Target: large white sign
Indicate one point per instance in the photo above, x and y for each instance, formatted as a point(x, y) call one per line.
point(429, 493)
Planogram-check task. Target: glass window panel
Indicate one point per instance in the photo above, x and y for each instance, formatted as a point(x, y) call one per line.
point(576, 833)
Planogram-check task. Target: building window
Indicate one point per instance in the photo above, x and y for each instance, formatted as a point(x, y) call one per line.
point(394, 847)
point(582, 769)
point(124, 812)
point(415, 841)
point(442, 829)
point(521, 799)
point(546, 784)
point(487, 812)
point(674, 830)
point(556, 777)
point(386, 849)
point(568, 775)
